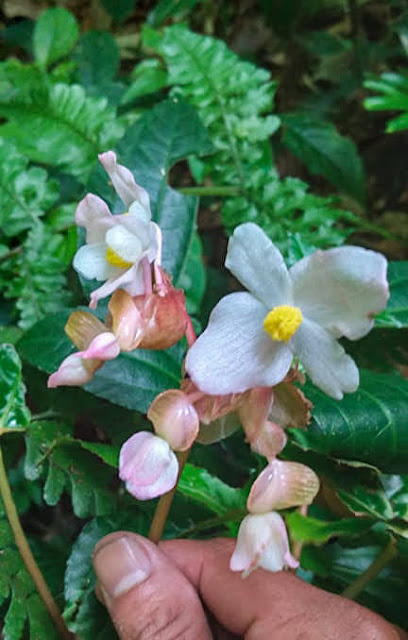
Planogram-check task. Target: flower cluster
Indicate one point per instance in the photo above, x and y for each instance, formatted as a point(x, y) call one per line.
point(242, 370)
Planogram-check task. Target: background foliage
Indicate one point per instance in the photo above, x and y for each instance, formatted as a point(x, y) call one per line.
point(291, 115)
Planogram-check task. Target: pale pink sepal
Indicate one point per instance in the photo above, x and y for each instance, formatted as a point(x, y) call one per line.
point(262, 542)
point(123, 181)
point(148, 466)
point(268, 440)
point(282, 485)
point(72, 372)
point(103, 347)
point(174, 419)
point(93, 214)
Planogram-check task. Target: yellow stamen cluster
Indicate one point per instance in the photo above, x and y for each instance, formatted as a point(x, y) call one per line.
point(282, 322)
point(115, 260)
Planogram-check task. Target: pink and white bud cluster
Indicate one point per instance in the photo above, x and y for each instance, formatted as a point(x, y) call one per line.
point(262, 537)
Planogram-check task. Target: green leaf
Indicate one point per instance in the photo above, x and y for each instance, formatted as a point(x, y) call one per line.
point(369, 425)
point(396, 313)
point(147, 77)
point(13, 411)
point(208, 490)
point(55, 124)
point(325, 152)
point(26, 193)
point(165, 9)
point(394, 90)
point(132, 380)
point(98, 58)
point(119, 9)
point(192, 278)
point(69, 466)
point(160, 138)
point(55, 34)
point(309, 530)
point(18, 594)
point(35, 276)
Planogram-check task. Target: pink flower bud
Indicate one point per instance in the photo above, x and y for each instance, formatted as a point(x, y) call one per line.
point(165, 319)
point(74, 371)
point(174, 419)
point(148, 466)
point(262, 542)
point(268, 440)
point(282, 485)
point(127, 321)
point(103, 347)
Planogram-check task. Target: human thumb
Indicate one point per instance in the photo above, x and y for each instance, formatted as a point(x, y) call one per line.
point(147, 596)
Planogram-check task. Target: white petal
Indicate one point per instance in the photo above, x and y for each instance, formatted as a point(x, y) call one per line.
point(123, 181)
point(145, 232)
point(90, 261)
point(124, 243)
point(138, 210)
point(326, 362)
point(93, 214)
point(130, 280)
point(234, 353)
point(341, 289)
point(258, 265)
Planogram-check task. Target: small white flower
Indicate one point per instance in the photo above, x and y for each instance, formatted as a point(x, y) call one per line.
point(252, 336)
point(117, 245)
point(262, 542)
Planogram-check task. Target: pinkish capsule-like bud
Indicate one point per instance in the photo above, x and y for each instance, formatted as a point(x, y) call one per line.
point(127, 321)
point(148, 466)
point(174, 419)
point(282, 485)
point(262, 542)
point(74, 371)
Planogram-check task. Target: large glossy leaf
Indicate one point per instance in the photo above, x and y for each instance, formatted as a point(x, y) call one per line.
point(314, 531)
point(13, 411)
point(163, 136)
point(132, 380)
point(369, 425)
point(325, 152)
point(396, 313)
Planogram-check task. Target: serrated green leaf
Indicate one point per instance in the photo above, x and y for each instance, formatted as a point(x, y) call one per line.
point(26, 193)
point(68, 466)
point(35, 276)
point(200, 486)
point(325, 152)
point(18, 594)
point(13, 411)
point(310, 530)
point(55, 33)
point(54, 124)
point(147, 77)
point(393, 89)
point(369, 425)
point(396, 313)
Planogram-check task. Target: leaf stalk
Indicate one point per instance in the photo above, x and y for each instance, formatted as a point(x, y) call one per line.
point(359, 584)
point(27, 556)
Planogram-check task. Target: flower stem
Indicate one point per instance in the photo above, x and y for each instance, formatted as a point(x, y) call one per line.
point(163, 507)
point(27, 556)
point(359, 584)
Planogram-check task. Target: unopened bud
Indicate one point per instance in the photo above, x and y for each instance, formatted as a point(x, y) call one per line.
point(268, 440)
point(282, 485)
point(174, 419)
point(148, 466)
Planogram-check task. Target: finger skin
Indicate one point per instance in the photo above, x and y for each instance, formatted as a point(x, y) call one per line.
point(269, 606)
point(164, 606)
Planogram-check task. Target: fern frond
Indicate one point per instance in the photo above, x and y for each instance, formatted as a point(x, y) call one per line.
point(54, 124)
point(234, 99)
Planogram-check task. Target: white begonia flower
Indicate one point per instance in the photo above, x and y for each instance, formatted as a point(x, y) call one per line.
point(117, 246)
point(252, 336)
